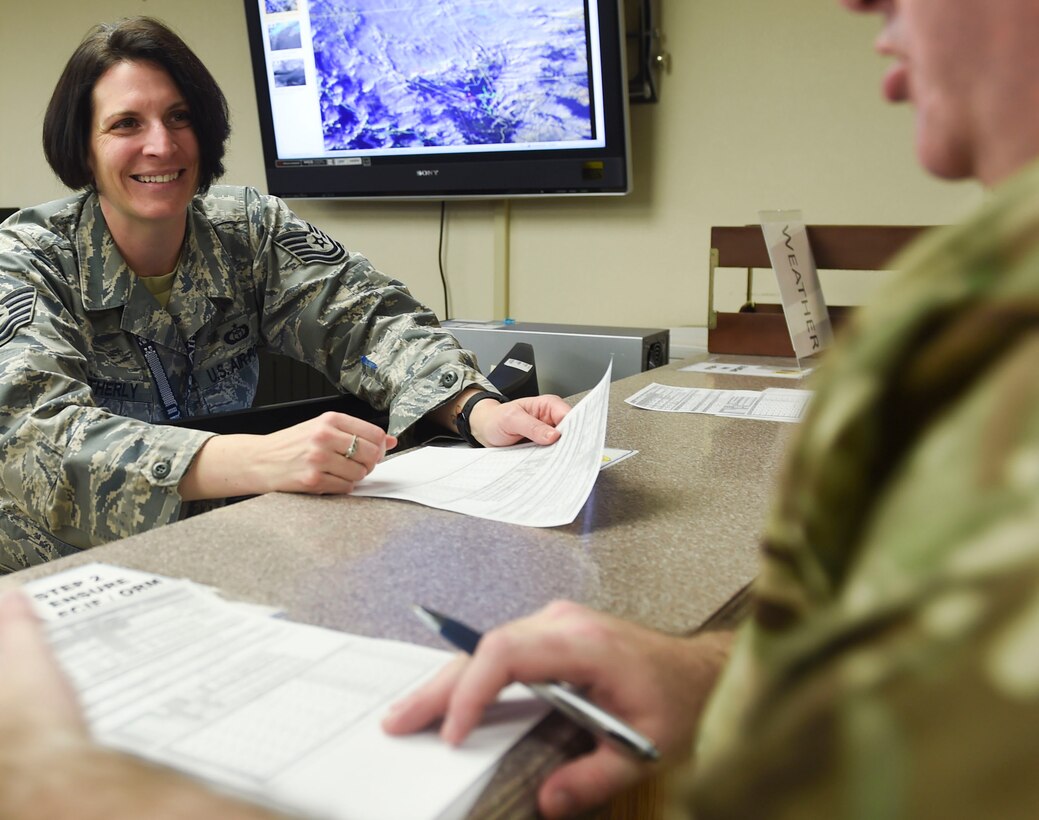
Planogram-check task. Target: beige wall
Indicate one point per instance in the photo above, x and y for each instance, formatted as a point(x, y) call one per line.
point(768, 105)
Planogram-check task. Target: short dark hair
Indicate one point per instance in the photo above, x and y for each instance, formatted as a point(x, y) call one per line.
point(67, 123)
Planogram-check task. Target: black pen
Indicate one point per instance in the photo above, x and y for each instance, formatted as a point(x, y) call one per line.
point(579, 709)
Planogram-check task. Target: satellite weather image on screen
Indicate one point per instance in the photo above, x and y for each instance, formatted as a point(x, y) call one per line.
point(446, 73)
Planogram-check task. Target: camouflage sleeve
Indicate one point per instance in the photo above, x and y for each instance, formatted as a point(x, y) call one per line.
point(332, 309)
point(933, 714)
point(915, 691)
point(76, 470)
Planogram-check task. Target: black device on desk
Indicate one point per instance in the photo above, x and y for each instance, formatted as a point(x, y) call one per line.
point(515, 376)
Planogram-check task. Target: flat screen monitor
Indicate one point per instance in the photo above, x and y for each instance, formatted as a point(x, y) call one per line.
point(411, 99)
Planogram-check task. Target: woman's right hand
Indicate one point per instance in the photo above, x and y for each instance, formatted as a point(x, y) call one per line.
point(327, 454)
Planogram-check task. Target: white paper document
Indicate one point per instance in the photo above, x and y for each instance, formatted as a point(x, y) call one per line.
point(524, 484)
point(736, 369)
point(773, 404)
point(279, 712)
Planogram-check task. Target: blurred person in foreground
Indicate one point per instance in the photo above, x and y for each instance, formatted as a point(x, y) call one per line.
point(889, 668)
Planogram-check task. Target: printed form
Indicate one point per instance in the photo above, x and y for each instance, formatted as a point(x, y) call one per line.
point(737, 369)
point(524, 484)
point(282, 713)
point(773, 404)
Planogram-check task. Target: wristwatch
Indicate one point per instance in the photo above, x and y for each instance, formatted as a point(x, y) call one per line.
point(462, 419)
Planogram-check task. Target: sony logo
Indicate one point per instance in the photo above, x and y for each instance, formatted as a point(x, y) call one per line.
point(426, 172)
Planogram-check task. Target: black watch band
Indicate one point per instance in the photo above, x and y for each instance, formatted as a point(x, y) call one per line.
point(462, 419)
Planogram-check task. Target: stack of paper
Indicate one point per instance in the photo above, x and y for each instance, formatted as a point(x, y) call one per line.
point(279, 712)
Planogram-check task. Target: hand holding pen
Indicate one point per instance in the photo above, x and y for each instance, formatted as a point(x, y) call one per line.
point(653, 683)
point(571, 703)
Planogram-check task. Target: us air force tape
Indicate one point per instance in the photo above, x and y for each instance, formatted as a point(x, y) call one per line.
point(312, 246)
point(16, 311)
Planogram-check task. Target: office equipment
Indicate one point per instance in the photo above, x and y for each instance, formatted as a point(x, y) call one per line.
point(760, 329)
point(647, 57)
point(570, 358)
point(516, 375)
point(579, 709)
point(442, 99)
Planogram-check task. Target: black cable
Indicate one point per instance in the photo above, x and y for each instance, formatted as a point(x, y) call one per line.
point(440, 260)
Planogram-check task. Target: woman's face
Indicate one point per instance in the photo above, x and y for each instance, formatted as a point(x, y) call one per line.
point(143, 149)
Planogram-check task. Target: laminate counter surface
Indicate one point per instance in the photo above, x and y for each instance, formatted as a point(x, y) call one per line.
point(666, 537)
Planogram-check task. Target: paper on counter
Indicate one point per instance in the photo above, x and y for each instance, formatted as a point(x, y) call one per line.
point(773, 404)
point(278, 712)
point(615, 455)
point(736, 369)
point(524, 484)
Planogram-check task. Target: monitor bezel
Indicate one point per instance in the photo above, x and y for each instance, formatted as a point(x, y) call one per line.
point(602, 171)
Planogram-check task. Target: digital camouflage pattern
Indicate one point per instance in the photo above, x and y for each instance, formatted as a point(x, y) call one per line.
point(891, 667)
point(81, 458)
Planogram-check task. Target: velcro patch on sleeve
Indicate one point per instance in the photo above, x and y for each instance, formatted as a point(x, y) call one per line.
point(16, 311)
point(312, 246)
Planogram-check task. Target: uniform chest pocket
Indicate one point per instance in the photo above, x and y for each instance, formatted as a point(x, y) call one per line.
point(224, 349)
point(229, 384)
point(227, 365)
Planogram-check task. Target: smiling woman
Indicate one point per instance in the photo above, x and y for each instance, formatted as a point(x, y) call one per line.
point(137, 40)
point(145, 160)
point(147, 297)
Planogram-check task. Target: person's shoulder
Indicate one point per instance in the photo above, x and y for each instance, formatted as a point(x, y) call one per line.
point(43, 227)
point(243, 209)
point(230, 201)
point(58, 217)
point(222, 202)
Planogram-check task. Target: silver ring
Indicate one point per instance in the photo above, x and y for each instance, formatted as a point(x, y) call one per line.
point(352, 448)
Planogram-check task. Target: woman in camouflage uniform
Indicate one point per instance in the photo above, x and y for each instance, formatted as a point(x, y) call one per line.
point(146, 298)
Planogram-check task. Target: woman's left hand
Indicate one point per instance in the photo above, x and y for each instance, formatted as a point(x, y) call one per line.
point(535, 418)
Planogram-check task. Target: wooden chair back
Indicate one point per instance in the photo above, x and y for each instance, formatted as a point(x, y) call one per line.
point(760, 329)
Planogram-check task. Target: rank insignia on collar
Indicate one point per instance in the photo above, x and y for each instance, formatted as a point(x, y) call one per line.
point(16, 311)
point(312, 246)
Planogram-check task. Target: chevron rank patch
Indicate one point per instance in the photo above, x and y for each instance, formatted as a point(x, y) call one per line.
point(312, 246)
point(16, 311)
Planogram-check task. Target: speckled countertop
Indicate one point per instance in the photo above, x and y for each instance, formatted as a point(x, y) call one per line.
point(666, 537)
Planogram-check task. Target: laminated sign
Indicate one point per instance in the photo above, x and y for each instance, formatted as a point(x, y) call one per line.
point(804, 307)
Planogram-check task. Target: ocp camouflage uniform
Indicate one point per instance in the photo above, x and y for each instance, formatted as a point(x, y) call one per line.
point(81, 458)
point(891, 667)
